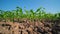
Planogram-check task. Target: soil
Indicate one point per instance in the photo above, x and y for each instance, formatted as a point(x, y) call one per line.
point(30, 27)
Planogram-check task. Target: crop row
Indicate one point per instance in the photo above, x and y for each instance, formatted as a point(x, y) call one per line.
point(28, 14)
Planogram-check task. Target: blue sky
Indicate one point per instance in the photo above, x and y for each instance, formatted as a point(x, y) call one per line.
point(52, 6)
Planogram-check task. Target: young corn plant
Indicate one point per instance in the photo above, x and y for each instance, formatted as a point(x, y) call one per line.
point(11, 16)
point(40, 13)
point(32, 14)
point(27, 14)
point(1, 16)
point(4, 16)
point(19, 13)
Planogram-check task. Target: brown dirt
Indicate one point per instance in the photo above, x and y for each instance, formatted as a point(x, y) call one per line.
point(29, 27)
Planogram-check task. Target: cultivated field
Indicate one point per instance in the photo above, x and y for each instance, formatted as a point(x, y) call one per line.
point(29, 22)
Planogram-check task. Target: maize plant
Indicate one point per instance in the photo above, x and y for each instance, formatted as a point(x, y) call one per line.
point(27, 14)
point(1, 16)
point(32, 14)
